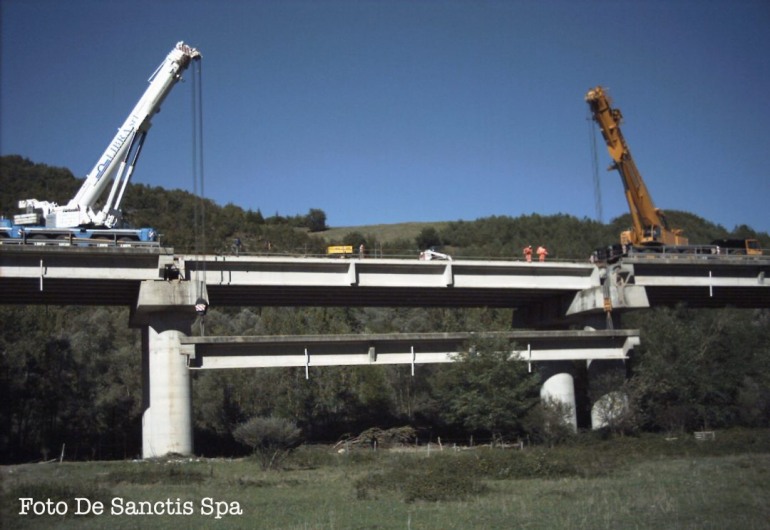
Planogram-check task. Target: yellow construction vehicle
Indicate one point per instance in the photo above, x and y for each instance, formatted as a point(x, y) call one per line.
point(650, 228)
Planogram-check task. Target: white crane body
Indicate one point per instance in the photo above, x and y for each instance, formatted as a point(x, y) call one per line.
point(113, 170)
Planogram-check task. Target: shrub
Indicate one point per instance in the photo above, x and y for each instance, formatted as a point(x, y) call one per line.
point(443, 484)
point(272, 439)
point(548, 423)
point(458, 475)
point(432, 480)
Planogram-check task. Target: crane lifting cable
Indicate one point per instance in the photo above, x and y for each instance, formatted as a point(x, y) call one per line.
point(595, 169)
point(197, 161)
point(199, 213)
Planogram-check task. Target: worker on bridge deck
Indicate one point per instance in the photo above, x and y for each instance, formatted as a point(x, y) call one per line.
point(528, 253)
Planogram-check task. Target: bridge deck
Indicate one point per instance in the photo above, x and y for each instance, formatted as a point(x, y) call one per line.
point(112, 275)
point(385, 282)
point(704, 281)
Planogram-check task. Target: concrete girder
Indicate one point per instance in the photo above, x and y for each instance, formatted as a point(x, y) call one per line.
point(399, 348)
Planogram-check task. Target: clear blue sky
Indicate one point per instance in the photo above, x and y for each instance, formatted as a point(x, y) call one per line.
point(395, 111)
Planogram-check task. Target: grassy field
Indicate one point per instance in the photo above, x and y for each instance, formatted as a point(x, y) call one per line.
point(383, 233)
point(647, 482)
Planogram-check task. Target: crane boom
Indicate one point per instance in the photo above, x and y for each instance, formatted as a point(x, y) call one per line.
point(650, 227)
point(116, 164)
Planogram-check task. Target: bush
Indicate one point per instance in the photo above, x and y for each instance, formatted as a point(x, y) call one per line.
point(548, 423)
point(272, 439)
point(459, 475)
point(430, 480)
point(443, 484)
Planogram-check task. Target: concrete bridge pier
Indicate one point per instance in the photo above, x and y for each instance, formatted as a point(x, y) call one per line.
point(609, 403)
point(167, 391)
point(165, 312)
point(559, 389)
point(605, 379)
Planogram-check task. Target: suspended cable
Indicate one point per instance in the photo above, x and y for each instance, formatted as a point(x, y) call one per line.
point(197, 163)
point(199, 211)
point(595, 168)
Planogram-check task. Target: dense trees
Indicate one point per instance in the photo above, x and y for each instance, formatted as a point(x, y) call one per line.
point(702, 369)
point(71, 376)
point(486, 392)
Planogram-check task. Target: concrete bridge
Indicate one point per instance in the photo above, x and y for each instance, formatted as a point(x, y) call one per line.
point(546, 291)
point(162, 288)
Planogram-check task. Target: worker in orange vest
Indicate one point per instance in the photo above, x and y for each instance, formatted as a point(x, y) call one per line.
point(528, 253)
point(542, 252)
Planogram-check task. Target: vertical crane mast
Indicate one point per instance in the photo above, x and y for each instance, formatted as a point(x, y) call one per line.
point(116, 164)
point(650, 224)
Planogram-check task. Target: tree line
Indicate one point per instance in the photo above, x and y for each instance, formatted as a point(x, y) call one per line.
point(70, 377)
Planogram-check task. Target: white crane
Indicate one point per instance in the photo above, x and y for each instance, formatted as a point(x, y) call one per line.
point(114, 168)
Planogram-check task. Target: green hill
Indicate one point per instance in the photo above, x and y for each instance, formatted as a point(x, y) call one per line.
point(385, 233)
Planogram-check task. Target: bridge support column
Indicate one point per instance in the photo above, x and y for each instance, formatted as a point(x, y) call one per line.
point(165, 312)
point(559, 390)
point(609, 403)
point(167, 399)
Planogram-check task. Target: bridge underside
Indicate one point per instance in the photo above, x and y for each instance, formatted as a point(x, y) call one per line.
point(58, 291)
point(705, 297)
point(358, 296)
point(47, 291)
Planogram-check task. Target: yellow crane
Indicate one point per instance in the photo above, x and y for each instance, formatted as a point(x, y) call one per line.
point(650, 227)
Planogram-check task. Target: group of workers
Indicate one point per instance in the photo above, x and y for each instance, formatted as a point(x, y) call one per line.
point(541, 251)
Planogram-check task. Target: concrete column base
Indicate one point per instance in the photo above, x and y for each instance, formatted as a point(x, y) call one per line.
point(559, 389)
point(609, 404)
